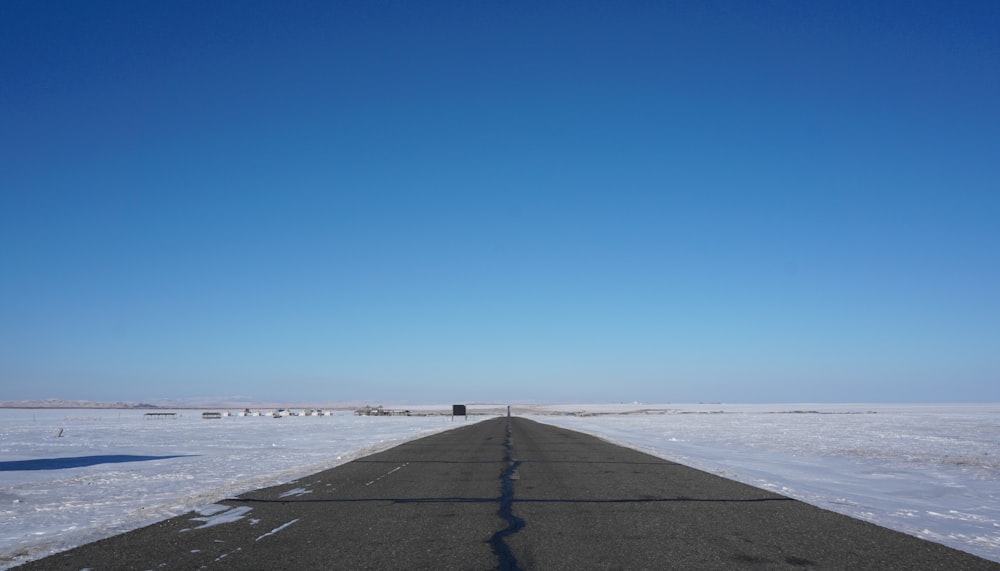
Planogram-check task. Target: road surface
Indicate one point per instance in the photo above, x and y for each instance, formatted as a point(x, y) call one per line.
point(513, 494)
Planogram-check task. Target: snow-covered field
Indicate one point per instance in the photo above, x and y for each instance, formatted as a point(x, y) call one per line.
point(116, 470)
point(928, 470)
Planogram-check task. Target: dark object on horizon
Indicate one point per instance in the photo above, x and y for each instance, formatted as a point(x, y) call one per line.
point(212, 415)
point(458, 410)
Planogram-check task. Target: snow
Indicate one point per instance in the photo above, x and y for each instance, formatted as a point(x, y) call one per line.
point(218, 517)
point(928, 470)
point(116, 470)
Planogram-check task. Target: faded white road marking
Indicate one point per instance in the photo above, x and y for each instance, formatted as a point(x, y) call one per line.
point(387, 473)
point(277, 529)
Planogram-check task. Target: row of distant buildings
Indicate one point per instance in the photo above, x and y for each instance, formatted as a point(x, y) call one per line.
point(282, 412)
point(278, 413)
point(380, 411)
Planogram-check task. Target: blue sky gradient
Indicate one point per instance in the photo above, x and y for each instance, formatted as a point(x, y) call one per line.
point(500, 201)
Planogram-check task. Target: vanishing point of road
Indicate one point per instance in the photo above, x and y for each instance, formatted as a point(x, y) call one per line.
point(511, 493)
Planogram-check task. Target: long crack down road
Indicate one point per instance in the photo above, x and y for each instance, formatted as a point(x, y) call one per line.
point(511, 493)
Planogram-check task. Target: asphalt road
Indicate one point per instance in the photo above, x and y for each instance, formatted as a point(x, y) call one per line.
point(513, 494)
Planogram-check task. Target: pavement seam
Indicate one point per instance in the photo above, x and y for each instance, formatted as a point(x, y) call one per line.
point(505, 557)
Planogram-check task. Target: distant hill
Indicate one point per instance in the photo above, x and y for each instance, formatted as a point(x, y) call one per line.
point(59, 403)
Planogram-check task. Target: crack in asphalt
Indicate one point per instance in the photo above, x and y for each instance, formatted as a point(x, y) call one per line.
point(506, 559)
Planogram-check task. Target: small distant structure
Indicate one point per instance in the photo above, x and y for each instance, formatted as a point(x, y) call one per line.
point(211, 415)
point(159, 415)
point(369, 410)
point(458, 410)
point(380, 411)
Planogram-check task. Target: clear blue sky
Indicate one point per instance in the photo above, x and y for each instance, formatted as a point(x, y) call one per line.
point(500, 201)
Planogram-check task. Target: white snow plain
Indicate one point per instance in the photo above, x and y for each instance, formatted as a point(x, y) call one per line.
point(116, 470)
point(927, 470)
